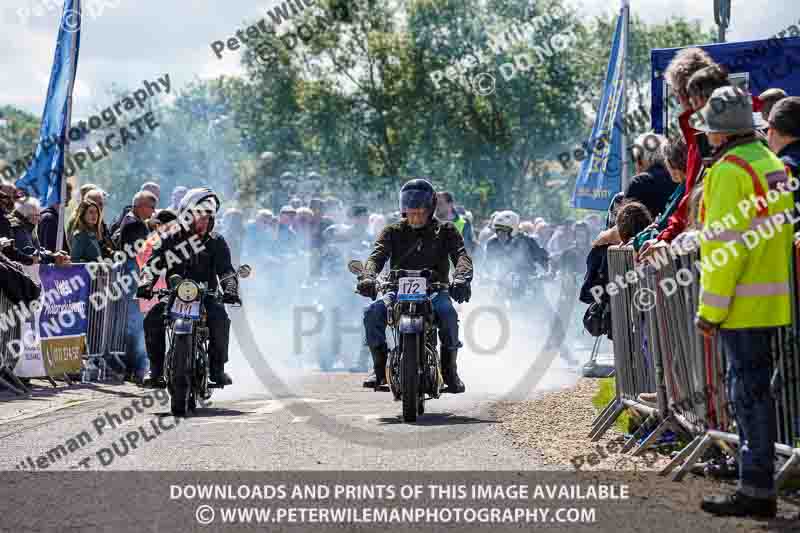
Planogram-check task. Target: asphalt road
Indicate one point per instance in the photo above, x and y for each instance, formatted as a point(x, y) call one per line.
point(331, 422)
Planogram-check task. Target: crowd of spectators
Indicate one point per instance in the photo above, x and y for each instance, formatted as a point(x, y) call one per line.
point(690, 189)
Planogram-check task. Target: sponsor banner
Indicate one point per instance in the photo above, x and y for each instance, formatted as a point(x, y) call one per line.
point(63, 355)
point(65, 298)
point(30, 363)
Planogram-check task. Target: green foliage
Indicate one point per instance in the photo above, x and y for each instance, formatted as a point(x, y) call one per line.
point(18, 138)
point(357, 104)
point(604, 396)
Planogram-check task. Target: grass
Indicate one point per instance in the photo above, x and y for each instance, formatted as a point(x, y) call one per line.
point(606, 393)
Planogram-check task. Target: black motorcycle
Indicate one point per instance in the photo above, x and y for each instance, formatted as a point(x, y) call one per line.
point(413, 369)
point(186, 366)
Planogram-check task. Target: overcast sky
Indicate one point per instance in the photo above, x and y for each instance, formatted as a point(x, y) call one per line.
point(144, 39)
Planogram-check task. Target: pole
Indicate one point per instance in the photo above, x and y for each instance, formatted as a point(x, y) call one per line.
point(625, 32)
point(63, 193)
point(722, 16)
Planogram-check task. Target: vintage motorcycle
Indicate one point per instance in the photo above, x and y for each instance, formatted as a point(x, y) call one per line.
point(186, 365)
point(413, 370)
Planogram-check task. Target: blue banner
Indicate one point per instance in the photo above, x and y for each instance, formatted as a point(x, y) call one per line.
point(600, 177)
point(65, 301)
point(43, 177)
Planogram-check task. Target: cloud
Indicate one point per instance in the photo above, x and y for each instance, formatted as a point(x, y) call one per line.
point(143, 39)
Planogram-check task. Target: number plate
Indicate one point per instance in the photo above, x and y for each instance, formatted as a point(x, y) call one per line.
point(412, 289)
point(183, 310)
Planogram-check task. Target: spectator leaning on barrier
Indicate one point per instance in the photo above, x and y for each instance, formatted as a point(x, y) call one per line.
point(98, 196)
point(652, 186)
point(682, 67)
point(24, 221)
point(745, 296)
point(674, 153)
point(7, 195)
point(85, 241)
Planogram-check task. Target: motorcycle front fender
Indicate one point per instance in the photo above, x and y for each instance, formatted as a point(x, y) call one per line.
point(411, 324)
point(183, 326)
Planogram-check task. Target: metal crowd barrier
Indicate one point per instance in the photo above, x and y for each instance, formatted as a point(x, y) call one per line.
point(634, 362)
point(105, 336)
point(657, 349)
point(8, 359)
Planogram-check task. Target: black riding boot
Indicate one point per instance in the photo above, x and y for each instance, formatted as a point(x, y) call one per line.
point(378, 376)
point(220, 329)
point(450, 371)
point(156, 347)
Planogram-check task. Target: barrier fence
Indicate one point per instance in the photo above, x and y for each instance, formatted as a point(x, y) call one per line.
point(8, 360)
point(25, 342)
point(105, 336)
point(657, 349)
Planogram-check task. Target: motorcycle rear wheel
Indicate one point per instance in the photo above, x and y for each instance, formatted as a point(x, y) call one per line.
point(410, 376)
point(181, 377)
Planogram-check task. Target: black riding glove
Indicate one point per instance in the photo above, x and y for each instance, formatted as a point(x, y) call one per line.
point(230, 289)
point(460, 290)
point(367, 286)
point(145, 292)
point(231, 298)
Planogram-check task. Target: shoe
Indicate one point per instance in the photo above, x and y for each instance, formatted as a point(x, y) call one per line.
point(649, 399)
point(377, 377)
point(450, 371)
point(738, 504)
point(154, 381)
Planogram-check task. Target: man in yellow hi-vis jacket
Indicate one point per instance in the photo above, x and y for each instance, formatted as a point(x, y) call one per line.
point(745, 251)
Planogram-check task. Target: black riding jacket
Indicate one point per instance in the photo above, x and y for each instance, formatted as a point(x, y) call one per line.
point(201, 259)
point(519, 255)
point(432, 246)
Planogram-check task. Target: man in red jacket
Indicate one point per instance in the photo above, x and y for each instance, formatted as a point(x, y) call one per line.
point(692, 69)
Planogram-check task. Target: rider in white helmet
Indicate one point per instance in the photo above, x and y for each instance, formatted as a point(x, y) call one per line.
point(511, 249)
point(193, 251)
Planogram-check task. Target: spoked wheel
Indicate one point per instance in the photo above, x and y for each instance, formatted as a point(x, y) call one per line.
point(410, 376)
point(180, 380)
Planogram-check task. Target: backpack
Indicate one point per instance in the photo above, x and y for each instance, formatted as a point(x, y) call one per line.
point(597, 319)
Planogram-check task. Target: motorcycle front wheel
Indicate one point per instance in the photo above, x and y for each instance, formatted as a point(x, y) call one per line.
point(410, 376)
point(181, 376)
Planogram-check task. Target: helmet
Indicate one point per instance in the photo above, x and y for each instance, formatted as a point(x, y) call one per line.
point(199, 200)
point(337, 233)
point(506, 220)
point(417, 193)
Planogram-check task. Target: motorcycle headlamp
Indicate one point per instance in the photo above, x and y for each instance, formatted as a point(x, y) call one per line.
point(188, 291)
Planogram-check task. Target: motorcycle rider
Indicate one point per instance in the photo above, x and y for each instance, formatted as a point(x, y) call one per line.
point(511, 249)
point(208, 262)
point(418, 241)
